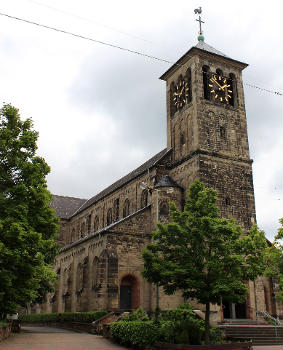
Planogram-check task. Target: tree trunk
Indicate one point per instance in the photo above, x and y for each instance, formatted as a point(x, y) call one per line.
point(206, 322)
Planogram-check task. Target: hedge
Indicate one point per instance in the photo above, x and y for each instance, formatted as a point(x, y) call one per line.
point(137, 334)
point(84, 317)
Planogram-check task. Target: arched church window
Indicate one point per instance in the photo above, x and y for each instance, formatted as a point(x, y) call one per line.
point(205, 78)
point(182, 139)
point(79, 278)
point(85, 273)
point(109, 217)
point(126, 208)
point(116, 209)
point(83, 230)
point(164, 210)
point(227, 201)
point(222, 131)
point(144, 198)
point(88, 223)
point(73, 236)
point(96, 223)
point(95, 276)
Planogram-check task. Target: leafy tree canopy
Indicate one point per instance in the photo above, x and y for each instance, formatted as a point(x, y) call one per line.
point(27, 224)
point(274, 260)
point(208, 257)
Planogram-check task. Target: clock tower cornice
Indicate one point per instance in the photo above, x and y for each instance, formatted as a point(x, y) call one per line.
point(204, 51)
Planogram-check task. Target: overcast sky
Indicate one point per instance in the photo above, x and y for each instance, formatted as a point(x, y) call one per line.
point(101, 111)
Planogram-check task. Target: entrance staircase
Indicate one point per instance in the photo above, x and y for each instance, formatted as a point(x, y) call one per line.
point(260, 334)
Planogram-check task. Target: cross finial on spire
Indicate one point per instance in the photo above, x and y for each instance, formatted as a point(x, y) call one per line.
point(199, 11)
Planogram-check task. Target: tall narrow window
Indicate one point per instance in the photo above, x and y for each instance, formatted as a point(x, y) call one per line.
point(126, 208)
point(83, 230)
point(88, 223)
point(227, 201)
point(109, 217)
point(222, 132)
point(205, 78)
point(144, 198)
point(96, 224)
point(116, 209)
point(189, 86)
point(232, 88)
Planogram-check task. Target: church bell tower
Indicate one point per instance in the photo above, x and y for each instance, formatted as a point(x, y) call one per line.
point(207, 129)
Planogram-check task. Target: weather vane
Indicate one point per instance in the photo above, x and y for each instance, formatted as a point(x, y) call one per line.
point(199, 11)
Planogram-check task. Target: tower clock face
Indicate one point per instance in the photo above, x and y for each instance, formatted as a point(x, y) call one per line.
point(181, 94)
point(220, 89)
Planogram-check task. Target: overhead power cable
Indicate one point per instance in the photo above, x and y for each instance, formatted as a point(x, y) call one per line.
point(88, 20)
point(119, 47)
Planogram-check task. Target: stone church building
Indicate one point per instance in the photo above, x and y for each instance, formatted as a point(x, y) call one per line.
point(100, 263)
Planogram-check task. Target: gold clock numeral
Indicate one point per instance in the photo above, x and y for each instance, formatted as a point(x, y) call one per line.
point(226, 99)
point(221, 99)
point(216, 96)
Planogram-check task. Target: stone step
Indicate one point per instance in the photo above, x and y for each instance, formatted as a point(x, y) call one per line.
point(260, 335)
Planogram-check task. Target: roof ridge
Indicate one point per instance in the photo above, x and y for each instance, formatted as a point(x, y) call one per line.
point(123, 180)
point(71, 197)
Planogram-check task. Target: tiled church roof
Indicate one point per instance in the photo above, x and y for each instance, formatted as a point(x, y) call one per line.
point(138, 171)
point(65, 206)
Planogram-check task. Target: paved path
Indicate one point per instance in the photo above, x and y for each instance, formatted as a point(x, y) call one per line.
point(47, 338)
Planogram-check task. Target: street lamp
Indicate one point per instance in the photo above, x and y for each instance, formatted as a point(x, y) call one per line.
point(144, 186)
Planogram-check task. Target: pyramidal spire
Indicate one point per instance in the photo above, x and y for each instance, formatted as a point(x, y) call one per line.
point(199, 11)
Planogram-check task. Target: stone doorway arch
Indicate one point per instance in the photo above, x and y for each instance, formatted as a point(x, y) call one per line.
point(129, 293)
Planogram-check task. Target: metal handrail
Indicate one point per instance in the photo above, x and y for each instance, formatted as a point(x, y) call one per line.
point(267, 315)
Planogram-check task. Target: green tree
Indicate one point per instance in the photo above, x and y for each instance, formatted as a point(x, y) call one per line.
point(206, 256)
point(27, 224)
point(274, 260)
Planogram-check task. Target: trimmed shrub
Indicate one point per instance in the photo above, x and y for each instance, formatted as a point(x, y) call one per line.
point(136, 315)
point(187, 331)
point(83, 317)
point(137, 334)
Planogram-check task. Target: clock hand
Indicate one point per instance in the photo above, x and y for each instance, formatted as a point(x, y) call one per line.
point(216, 82)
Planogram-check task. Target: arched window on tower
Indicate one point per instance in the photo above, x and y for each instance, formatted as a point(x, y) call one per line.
point(144, 198)
point(126, 208)
point(173, 108)
point(109, 217)
point(233, 88)
point(219, 72)
point(205, 79)
point(189, 86)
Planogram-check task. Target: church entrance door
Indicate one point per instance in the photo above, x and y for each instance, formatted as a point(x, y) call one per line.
point(125, 297)
point(234, 311)
point(129, 293)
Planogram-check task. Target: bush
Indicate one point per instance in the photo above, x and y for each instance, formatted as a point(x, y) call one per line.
point(137, 334)
point(84, 317)
point(3, 323)
point(216, 335)
point(181, 312)
point(187, 331)
point(136, 315)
